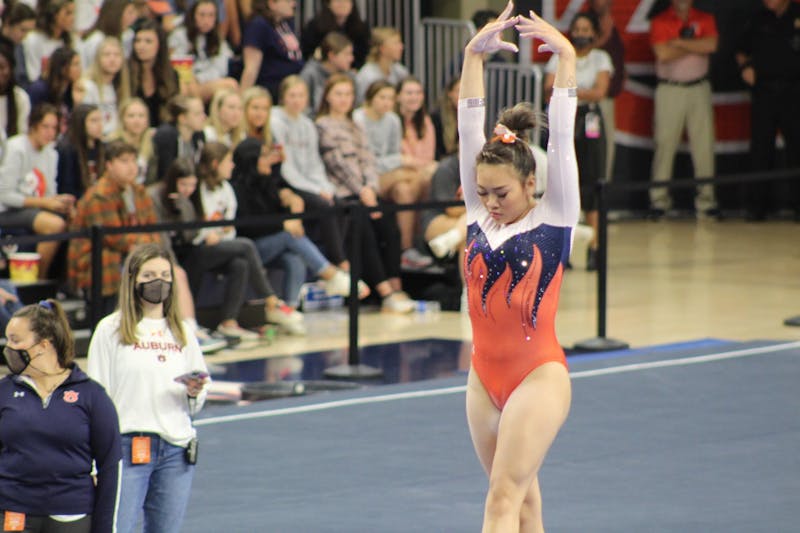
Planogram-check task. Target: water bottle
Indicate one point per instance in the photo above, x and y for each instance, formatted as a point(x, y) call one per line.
point(424, 306)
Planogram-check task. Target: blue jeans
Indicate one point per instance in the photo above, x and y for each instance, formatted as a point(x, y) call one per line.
point(9, 308)
point(160, 487)
point(295, 255)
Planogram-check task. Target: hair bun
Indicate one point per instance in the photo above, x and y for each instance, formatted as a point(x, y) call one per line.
point(519, 119)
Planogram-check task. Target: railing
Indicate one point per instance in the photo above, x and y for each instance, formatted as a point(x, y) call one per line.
point(439, 53)
point(508, 84)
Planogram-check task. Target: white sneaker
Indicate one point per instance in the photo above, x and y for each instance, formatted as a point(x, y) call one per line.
point(238, 332)
point(398, 302)
point(580, 244)
point(446, 244)
point(338, 285)
point(289, 319)
point(414, 259)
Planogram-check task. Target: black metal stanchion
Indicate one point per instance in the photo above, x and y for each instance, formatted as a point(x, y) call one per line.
point(601, 343)
point(96, 298)
point(354, 369)
point(792, 321)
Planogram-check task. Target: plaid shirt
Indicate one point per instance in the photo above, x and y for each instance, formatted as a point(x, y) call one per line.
point(104, 205)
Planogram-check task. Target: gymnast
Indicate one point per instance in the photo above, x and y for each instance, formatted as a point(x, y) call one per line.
point(518, 390)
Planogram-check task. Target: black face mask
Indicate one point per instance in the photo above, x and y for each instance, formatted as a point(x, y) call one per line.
point(17, 360)
point(582, 42)
point(155, 291)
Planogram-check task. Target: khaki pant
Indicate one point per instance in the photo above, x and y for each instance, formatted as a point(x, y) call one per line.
point(676, 108)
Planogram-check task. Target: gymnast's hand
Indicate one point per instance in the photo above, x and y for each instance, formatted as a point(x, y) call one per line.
point(488, 41)
point(537, 28)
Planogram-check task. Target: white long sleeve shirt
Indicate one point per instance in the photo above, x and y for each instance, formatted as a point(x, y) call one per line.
point(140, 378)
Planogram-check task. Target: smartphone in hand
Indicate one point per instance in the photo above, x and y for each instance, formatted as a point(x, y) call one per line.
point(197, 374)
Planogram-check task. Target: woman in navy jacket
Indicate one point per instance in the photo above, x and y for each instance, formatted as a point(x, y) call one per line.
point(54, 422)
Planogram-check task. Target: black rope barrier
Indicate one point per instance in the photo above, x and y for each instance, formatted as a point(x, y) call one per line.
point(601, 342)
point(359, 215)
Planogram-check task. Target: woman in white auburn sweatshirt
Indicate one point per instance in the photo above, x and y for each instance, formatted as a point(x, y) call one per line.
point(152, 367)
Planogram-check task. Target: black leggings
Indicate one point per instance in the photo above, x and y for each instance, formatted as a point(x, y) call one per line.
point(45, 524)
point(590, 154)
point(379, 246)
point(325, 232)
point(238, 260)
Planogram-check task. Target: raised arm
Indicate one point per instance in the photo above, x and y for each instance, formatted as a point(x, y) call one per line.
point(471, 105)
point(561, 201)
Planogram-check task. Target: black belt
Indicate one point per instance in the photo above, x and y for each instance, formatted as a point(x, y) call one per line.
point(683, 83)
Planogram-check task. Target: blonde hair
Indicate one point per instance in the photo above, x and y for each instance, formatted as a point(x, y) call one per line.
point(130, 306)
point(289, 82)
point(238, 133)
point(121, 81)
point(378, 37)
point(248, 96)
point(144, 144)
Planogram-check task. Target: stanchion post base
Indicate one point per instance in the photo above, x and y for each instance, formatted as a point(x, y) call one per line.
point(601, 344)
point(353, 372)
point(792, 321)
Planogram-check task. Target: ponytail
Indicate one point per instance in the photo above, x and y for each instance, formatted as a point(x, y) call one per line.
point(49, 321)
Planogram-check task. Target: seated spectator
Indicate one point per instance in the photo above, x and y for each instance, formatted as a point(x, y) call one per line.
point(445, 120)
point(398, 181)
point(152, 77)
point(339, 16)
point(117, 200)
point(54, 28)
point(226, 118)
point(257, 109)
point(134, 129)
point(445, 229)
point(199, 39)
point(218, 202)
point(81, 151)
point(419, 137)
point(303, 170)
point(114, 19)
point(61, 85)
point(270, 48)
point(28, 196)
point(208, 250)
point(15, 105)
point(351, 167)
point(107, 83)
point(383, 61)
point(261, 190)
point(183, 135)
point(336, 57)
point(18, 20)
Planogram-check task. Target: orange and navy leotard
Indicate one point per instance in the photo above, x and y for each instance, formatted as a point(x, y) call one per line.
point(513, 271)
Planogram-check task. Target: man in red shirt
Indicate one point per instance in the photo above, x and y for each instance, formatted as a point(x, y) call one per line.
point(683, 39)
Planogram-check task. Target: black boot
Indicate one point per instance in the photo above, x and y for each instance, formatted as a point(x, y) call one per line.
point(591, 259)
